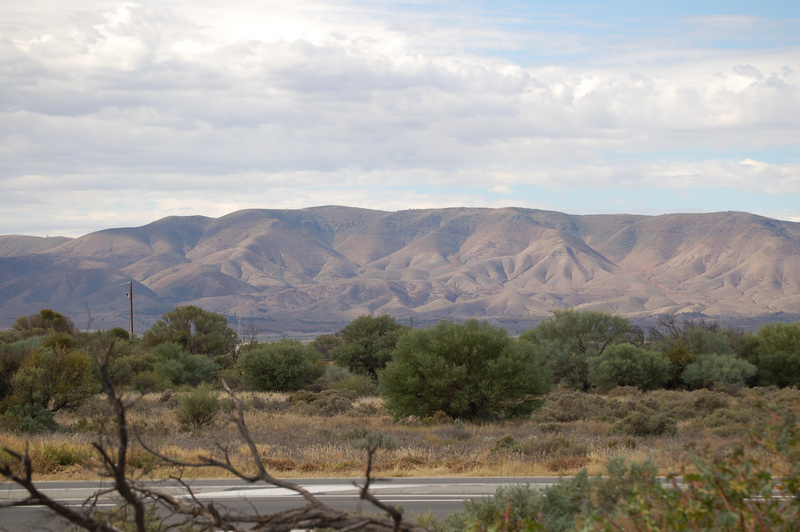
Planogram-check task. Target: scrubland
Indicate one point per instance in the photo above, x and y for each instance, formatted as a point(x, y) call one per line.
point(307, 434)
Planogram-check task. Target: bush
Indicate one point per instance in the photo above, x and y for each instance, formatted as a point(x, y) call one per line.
point(45, 321)
point(559, 507)
point(284, 366)
point(711, 369)
point(339, 378)
point(30, 418)
point(150, 381)
point(179, 366)
point(627, 365)
point(10, 361)
point(325, 403)
point(367, 344)
point(466, 370)
point(777, 354)
point(779, 369)
point(645, 421)
point(55, 380)
point(570, 405)
point(571, 338)
point(198, 331)
point(199, 406)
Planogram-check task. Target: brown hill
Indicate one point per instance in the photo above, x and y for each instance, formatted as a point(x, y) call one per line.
point(330, 264)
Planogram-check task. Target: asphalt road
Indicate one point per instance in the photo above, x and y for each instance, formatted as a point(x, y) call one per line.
point(441, 496)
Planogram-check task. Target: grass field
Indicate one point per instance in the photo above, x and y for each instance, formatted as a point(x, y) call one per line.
point(303, 436)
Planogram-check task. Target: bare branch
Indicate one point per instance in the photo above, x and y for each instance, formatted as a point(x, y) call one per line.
point(113, 451)
point(37, 497)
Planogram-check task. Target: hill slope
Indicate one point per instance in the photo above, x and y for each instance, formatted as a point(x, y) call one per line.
point(330, 264)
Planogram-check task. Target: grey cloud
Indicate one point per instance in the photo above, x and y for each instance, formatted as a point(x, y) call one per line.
point(100, 96)
point(749, 71)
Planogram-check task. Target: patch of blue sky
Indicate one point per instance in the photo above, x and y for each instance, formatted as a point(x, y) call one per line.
point(580, 31)
point(772, 155)
point(612, 10)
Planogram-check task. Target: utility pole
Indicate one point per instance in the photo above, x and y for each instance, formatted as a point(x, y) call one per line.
point(130, 297)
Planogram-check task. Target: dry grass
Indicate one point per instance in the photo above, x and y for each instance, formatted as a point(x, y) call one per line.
point(295, 441)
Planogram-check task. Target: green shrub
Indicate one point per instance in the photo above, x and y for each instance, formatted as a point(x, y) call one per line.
point(9, 337)
point(735, 493)
point(679, 357)
point(361, 385)
point(645, 421)
point(10, 361)
point(196, 330)
point(378, 440)
point(199, 406)
point(55, 380)
point(777, 354)
point(324, 403)
point(29, 417)
point(711, 369)
point(571, 337)
point(367, 344)
point(232, 377)
point(341, 378)
point(627, 365)
point(466, 370)
point(284, 366)
point(60, 341)
point(559, 507)
point(563, 405)
point(150, 381)
point(779, 369)
point(179, 366)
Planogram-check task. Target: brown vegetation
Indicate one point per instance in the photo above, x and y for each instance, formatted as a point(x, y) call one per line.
point(572, 431)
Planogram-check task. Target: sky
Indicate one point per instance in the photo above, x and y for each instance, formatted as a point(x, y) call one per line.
point(116, 114)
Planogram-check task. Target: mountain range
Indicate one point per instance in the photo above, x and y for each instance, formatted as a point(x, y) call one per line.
point(292, 270)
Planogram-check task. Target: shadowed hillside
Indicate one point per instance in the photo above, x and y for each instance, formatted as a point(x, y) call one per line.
point(331, 264)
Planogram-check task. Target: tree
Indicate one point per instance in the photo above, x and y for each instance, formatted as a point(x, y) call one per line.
point(284, 366)
point(710, 369)
point(571, 337)
point(466, 370)
point(54, 380)
point(325, 344)
point(778, 354)
point(367, 344)
point(46, 320)
point(197, 330)
point(627, 365)
point(179, 366)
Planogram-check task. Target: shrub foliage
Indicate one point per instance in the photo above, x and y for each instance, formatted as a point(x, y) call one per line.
point(284, 366)
point(465, 370)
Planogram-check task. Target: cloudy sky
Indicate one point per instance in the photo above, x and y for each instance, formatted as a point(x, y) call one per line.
point(115, 114)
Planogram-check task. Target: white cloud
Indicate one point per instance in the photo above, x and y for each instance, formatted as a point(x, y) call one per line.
point(323, 101)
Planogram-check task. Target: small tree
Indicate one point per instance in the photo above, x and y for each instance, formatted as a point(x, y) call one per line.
point(571, 338)
point(367, 344)
point(712, 369)
point(46, 320)
point(466, 370)
point(325, 344)
point(197, 330)
point(175, 363)
point(777, 354)
point(284, 366)
point(627, 365)
point(199, 406)
point(54, 380)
